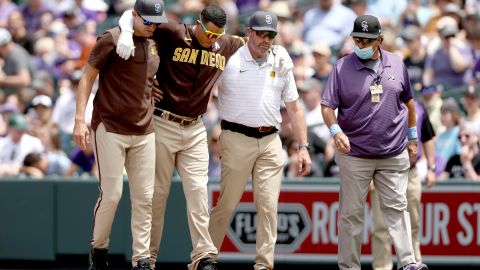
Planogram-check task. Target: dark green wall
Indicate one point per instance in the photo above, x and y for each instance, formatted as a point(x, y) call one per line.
point(42, 219)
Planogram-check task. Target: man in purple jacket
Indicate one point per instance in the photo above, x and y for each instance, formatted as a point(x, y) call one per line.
point(375, 138)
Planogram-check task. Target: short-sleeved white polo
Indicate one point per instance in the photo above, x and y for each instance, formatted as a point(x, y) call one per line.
point(251, 94)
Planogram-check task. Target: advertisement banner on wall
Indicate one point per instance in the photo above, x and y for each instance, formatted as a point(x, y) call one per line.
point(307, 224)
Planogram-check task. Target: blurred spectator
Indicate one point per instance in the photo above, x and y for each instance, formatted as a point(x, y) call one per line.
point(5, 110)
point(415, 14)
point(281, 8)
point(448, 64)
point(318, 134)
point(447, 143)
point(211, 118)
point(58, 161)
point(16, 145)
point(473, 38)
point(45, 55)
point(467, 163)
point(44, 84)
point(247, 7)
point(285, 131)
point(68, 50)
point(476, 73)
point(290, 169)
point(86, 40)
point(73, 18)
point(358, 6)
point(94, 10)
point(17, 68)
point(432, 100)
point(16, 27)
point(64, 112)
point(34, 165)
point(387, 11)
point(329, 22)
point(46, 19)
point(214, 165)
point(415, 55)
point(83, 162)
point(33, 10)
point(6, 8)
point(322, 66)
point(390, 42)
point(472, 7)
point(40, 117)
point(471, 99)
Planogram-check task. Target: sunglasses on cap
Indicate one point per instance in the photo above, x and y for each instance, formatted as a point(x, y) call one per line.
point(148, 23)
point(364, 40)
point(209, 34)
point(263, 34)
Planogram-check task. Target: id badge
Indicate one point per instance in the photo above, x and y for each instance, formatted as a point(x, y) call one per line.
point(376, 89)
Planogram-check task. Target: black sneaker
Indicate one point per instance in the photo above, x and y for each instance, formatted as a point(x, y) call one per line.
point(98, 259)
point(142, 264)
point(207, 264)
point(415, 266)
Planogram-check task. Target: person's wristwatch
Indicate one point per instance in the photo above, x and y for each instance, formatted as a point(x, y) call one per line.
point(304, 145)
point(432, 168)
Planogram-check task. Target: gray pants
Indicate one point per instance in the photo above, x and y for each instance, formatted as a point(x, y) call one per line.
point(390, 177)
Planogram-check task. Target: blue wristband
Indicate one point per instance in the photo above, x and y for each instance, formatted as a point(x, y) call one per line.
point(412, 133)
point(334, 129)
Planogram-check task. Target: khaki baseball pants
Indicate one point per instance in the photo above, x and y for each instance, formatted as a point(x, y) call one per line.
point(390, 177)
point(242, 157)
point(186, 149)
point(113, 152)
point(381, 246)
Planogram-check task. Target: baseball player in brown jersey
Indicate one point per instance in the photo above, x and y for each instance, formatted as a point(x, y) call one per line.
point(193, 57)
point(123, 130)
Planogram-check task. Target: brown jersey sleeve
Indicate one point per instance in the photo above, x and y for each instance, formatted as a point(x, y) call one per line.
point(101, 52)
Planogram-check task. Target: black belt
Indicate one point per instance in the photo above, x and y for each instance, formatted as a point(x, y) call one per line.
point(181, 120)
point(255, 132)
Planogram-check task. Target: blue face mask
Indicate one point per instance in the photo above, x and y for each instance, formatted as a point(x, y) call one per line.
point(365, 53)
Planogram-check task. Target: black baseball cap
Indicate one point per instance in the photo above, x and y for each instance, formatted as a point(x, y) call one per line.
point(151, 10)
point(263, 21)
point(366, 26)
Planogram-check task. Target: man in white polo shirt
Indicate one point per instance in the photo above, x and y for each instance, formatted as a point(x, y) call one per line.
point(250, 94)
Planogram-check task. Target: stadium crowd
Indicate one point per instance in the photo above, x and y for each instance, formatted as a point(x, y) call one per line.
point(44, 45)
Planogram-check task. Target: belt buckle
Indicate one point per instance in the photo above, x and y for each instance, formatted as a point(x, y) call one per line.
point(186, 122)
point(264, 129)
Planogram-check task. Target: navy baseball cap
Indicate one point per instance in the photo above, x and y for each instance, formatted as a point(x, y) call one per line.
point(366, 26)
point(151, 10)
point(263, 21)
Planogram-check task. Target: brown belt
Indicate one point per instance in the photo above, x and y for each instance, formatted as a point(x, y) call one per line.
point(181, 120)
point(255, 132)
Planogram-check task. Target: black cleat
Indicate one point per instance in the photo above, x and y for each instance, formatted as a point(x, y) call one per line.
point(207, 264)
point(142, 264)
point(98, 259)
point(415, 266)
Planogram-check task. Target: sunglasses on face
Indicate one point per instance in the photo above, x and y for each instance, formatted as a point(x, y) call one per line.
point(263, 34)
point(365, 41)
point(148, 23)
point(209, 34)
